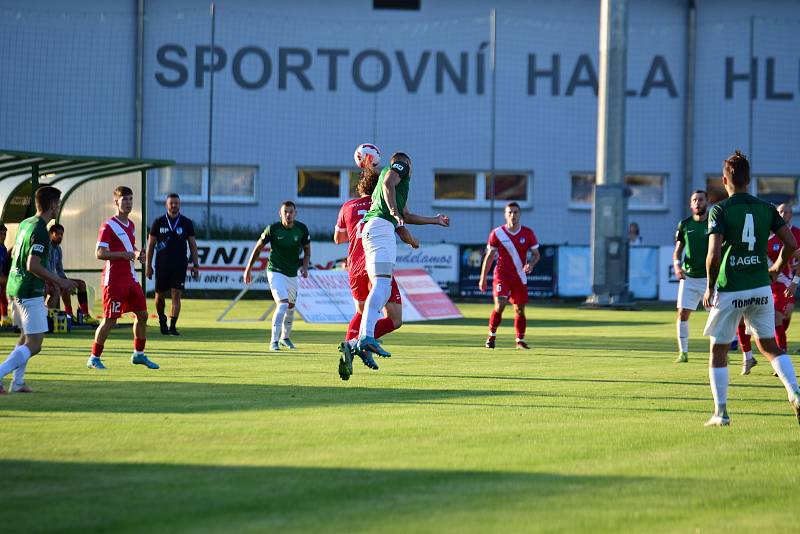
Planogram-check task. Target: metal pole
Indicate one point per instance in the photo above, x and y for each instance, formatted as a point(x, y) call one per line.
point(493, 116)
point(609, 212)
point(210, 119)
point(688, 116)
point(137, 148)
point(144, 229)
point(750, 99)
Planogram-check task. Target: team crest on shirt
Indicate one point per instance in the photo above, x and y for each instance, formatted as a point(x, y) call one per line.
point(776, 246)
point(521, 239)
point(179, 230)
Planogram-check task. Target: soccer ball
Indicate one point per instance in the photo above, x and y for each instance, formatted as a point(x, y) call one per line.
point(367, 153)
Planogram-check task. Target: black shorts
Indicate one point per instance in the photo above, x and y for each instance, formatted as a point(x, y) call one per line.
point(170, 276)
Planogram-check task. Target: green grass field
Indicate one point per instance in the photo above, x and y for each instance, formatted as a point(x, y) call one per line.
point(595, 429)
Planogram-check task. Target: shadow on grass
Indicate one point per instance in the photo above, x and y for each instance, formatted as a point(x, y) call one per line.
point(162, 497)
point(536, 321)
point(154, 396)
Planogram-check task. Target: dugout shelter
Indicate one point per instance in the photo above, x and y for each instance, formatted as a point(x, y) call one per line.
point(87, 186)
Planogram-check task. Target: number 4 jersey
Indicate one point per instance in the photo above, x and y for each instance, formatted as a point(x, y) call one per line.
point(745, 223)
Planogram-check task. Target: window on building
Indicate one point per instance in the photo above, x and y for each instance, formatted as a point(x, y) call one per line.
point(716, 192)
point(229, 183)
point(777, 189)
point(475, 188)
point(412, 5)
point(647, 190)
point(326, 185)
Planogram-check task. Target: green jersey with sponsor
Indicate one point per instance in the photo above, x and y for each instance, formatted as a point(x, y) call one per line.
point(692, 234)
point(286, 246)
point(32, 240)
point(745, 223)
point(379, 207)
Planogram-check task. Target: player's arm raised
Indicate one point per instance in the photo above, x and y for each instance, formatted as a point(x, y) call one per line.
point(253, 255)
point(488, 260)
point(406, 237)
point(388, 187)
point(413, 218)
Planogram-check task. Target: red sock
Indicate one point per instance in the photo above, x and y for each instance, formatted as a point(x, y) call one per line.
point(494, 321)
point(519, 326)
point(138, 344)
point(83, 302)
point(353, 327)
point(744, 339)
point(383, 327)
point(97, 349)
point(3, 303)
point(68, 308)
point(780, 336)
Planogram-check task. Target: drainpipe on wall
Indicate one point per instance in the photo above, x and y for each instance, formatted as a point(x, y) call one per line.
point(688, 108)
point(139, 79)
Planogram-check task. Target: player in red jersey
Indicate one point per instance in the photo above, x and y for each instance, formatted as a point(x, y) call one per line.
point(348, 229)
point(784, 287)
point(116, 245)
point(510, 243)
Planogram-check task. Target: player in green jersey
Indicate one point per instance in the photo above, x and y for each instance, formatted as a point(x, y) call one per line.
point(387, 212)
point(26, 286)
point(288, 238)
point(689, 263)
point(739, 282)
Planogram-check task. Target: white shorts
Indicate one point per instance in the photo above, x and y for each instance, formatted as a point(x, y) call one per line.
point(690, 292)
point(380, 245)
point(30, 315)
point(729, 307)
point(282, 287)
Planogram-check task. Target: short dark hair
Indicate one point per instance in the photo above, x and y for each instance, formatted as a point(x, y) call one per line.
point(173, 195)
point(3, 228)
point(737, 169)
point(400, 155)
point(698, 192)
point(122, 191)
point(289, 204)
point(56, 228)
point(513, 205)
point(46, 196)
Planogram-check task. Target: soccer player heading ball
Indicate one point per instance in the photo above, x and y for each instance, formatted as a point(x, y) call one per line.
point(739, 282)
point(510, 243)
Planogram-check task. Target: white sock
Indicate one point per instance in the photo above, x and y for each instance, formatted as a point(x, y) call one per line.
point(748, 355)
point(719, 386)
point(377, 299)
point(288, 320)
point(19, 356)
point(19, 372)
point(783, 366)
point(683, 336)
point(277, 319)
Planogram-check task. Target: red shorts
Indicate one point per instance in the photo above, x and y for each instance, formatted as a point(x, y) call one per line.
point(360, 286)
point(119, 299)
point(781, 300)
point(514, 290)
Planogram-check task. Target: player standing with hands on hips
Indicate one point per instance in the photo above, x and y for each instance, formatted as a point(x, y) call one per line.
point(26, 286)
point(510, 243)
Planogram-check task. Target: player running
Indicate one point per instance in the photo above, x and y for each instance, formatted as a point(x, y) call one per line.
point(387, 211)
point(689, 263)
point(348, 229)
point(739, 282)
point(288, 237)
point(116, 245)
point(510, 243)
point(26, 286)
point(784, 287)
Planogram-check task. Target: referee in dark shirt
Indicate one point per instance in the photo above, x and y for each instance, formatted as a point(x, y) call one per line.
point(169, 235)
